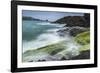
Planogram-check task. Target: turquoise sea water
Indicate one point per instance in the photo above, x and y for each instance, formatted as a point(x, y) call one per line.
point(36, 34)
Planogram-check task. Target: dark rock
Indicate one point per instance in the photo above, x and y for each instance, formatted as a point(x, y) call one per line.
point(76, 30)
point(73, 31)
point(63, 32)
point(31, 61)
point(63, 58)
point(82, 55)
point(41, 60)
point(82, 21)
point(87, 18)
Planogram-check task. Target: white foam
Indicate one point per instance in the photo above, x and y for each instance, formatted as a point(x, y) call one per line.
point(51, 24)
point(43, 40)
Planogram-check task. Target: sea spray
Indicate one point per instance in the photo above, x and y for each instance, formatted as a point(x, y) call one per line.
point(51, 36)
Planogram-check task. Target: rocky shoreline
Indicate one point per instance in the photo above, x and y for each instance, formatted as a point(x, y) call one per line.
point(77, 27)
point(72, 31)
point(74, 26)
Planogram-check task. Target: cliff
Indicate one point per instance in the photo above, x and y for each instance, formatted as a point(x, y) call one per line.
point(82, 21)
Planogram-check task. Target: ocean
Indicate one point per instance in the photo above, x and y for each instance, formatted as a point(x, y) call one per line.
point(36, 34)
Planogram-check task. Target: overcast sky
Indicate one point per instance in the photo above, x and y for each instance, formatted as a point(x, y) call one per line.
point(51, 16)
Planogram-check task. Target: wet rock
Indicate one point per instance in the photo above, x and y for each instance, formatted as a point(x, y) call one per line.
point(41, 60)
point(73, 31)
point(76, 30)
point(82, 55)
point(31, 61)
point(63, 58)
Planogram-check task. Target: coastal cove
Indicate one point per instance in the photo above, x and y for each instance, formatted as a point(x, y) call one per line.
point(65, 39)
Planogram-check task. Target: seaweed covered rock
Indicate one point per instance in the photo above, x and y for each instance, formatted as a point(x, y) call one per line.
point(83, 38)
